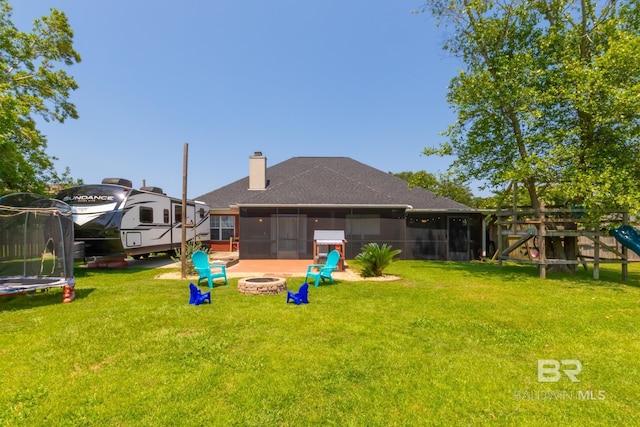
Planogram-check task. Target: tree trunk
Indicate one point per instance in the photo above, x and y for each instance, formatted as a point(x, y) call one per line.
point(564, 248)
point(571, 246)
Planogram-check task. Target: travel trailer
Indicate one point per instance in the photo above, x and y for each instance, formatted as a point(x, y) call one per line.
point(113, 219)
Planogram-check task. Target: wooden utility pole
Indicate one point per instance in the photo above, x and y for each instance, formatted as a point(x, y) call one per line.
point(183, 246)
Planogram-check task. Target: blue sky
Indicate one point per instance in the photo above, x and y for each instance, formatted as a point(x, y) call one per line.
point(365, 79)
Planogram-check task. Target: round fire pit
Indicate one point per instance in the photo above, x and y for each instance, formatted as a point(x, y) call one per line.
point(262, 285)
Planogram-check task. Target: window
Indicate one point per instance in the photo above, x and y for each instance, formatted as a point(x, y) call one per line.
point(363, 225)
point(146, 215)
point(222, 227)
point(165, 216)
point(177, 213)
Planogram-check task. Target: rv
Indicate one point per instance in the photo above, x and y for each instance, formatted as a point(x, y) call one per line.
point(113, 219)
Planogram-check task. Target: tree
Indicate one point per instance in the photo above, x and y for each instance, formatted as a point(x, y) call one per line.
point(32, 85)
point(422, 179)
point(443, 185)
point(548, 98)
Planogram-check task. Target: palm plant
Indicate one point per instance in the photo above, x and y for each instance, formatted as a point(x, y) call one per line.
point(375, 258)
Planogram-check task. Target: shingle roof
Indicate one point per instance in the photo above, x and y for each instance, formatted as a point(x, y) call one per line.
point(318, 181)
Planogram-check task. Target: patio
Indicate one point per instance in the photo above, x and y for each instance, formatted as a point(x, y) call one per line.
point(266, 267)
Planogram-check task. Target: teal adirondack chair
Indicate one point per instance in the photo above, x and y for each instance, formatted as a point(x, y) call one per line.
point(204, 268)
point(323, 271)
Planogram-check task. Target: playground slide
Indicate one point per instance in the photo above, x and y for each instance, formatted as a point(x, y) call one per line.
point(628, 237)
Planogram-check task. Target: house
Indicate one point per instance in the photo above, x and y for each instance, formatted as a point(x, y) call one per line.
point(275, 211)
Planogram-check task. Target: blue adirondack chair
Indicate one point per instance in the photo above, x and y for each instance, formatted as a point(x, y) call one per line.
point(323, 271)
point(196, 296)
point(302, 296)
point(204, 268)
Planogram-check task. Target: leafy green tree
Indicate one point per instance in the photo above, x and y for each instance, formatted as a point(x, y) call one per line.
point(421, 179)
point(547, 98)
point(443, 185)
point(32, 85)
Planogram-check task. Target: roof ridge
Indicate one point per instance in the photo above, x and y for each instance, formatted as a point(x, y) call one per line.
point(360, 182)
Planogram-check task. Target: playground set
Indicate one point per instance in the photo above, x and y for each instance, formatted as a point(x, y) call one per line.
point(560, 238)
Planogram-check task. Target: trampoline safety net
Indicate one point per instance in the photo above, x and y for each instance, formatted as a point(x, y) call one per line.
point(36, 243)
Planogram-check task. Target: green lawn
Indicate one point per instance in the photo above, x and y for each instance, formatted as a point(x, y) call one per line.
point(449, 344)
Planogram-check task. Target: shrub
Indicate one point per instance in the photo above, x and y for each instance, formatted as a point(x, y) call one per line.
point(375, 258)
point(190, 247)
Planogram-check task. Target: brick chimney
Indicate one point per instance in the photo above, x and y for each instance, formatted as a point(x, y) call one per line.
point(257, 171)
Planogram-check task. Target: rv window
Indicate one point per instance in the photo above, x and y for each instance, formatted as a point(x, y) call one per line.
point(165, 215)
point(177, 214)
point(146, 215)
point(202, 213)
point(92, 195)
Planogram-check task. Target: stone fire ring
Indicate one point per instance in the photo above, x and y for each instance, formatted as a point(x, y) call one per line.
point(262, 285)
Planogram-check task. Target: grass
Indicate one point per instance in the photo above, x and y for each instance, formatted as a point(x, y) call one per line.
point(449, 344)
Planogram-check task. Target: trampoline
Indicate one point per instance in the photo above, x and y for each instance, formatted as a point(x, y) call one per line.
point(36, 245)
